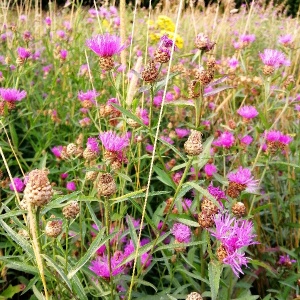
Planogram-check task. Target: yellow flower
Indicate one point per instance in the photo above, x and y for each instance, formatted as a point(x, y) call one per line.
point(165, 23)
point(105, 24)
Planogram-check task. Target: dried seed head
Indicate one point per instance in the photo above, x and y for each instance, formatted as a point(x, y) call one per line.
point(23, 204)
point(20, 61)
point(106, 63)
point(24, 234)
point(71, 149)
point(204, 76)
point(235, 189)
point(71, 210)
point(272, 147)
point(89, 154)
point(211, 63)
point(38, 190)
point(91, 175)
point(257, 80)
point(238, 209)
point(132, 123)
point(162, 55)
point(150, 72)
point(209, 207)
point(106, 185)
point(192, 92)
point(87, 104)
point(193, 145)
point(289, 82)
point(221, 253)
point(194, 296)
point(268, 70)
point(205, 220)
point(203, 43)
point(231, 124)
point(53, 228)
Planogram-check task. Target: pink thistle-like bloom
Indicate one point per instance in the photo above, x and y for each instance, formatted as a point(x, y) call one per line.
point(225, 140)
point(149, 148)
point(277, 136)
point(71, 186)
point(234, 234)
point(105, 45)
point(210, 169)
point(61, 34)
point(12, 95)
point(143, 114)
point(246, 140)
point(286, 261)
point(217, 193)
point(89, 95)
point(233, 63)
point(247, 112)
point(286, 40)
point(167, 139)
point(247, 38)
point(182, 132)
point(186, 204)
point(181, 232)
point(176, 177)
point(92, 144)
point(64, 176)
point(85, 122)
point(146, 259)
point(100, 265)
point(19, 185)
point(63, 54)
point(274, 58)
point(112, 142)
point(57, 151)
point(48, 21)
point(243, 177)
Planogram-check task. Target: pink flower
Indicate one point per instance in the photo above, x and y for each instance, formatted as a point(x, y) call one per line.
point(61, 34)
point(64, 175)
point(105, 45)
point(92, 144)
point(19, 185)
point(181, 232)
point(12, 95)
point(63, 54)
point(48, 21)
point(233, 63)
point(143, 114)
point(217, 193)
point(182, 132)
point(89, 95)
point(247, 112)
point(225, 140)
point(112, 142)
point(274, 58)
point(243, 177)
point(57, 151)
point(247, 38)
point(246, 140)
point(210, 169)
point(286, 39)
point(286, 261)
point(71, 186)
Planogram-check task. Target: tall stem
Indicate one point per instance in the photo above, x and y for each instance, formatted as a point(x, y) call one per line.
point(67, 246)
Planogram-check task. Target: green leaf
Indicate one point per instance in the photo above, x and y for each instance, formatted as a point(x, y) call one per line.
point(55, 266)
point(14, 135)
point(78, 288)
point(164, 177)
point(180, 103)
point(173, 246)
point(214, 274)
point(11, 262)
point(188, 222)
point(217, 90)
point(96, 244)
point(128, 114)
point(37, 293)
point(13, 214)
point(173, 149)
point(264, 265)
point(11, 290)
point(18, 239)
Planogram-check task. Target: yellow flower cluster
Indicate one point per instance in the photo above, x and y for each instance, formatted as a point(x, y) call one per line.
point(166, 26)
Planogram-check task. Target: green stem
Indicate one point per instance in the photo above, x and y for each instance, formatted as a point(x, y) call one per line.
point(67, 246)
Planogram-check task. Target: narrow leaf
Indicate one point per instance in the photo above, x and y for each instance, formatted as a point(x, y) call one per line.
point(214, 274)
point(164, 177)
point(217, 90)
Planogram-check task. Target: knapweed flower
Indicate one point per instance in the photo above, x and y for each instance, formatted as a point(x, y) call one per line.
point(11, 95)
point(105, 46)
point(217, 193)
point(61, 34)
point(241, 180)
point(113, 142)
point(286, 40)
point(101, 268)
point(225, 140)
point(273, 59)
point(23, 53)
point(181, 232)
point(163, 51)
point(233, 234)
point(285, 260)
point(143, 114)
point(247, 39)
point(71, 186)
point(247, 112)
point(92, 149)
point(19, 185)
point(87, 98)
point(63, 54)
point(276, 140)
point(233, 63)
point(246, 140)
point(210, 170)
point(182, 132)
point(48, 21)
point(202, 42)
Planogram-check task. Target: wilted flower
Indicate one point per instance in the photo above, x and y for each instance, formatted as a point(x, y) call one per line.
point(202, 42)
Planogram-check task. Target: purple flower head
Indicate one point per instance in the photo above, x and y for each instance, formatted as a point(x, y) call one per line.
point(64, 175)
point(19, 185)
point(12, 95)
point(277, 136)
point(105, 45)
point(149, 148)
point(247, 112)
point(236, 260)
point(61, 34)
point(247, 38)
point(143, 114)
point(57, 151)
point(93, 145)
point(167, 139)
point(181, 232)
point(157, 100)
point(210, 169)
point(225, 140)
point(246, 140)
point(182, 132)
point(71, 186)
point(285, 39)
point(233, 63)
point(286, 261)
point(216, 192)
point(89, 95)
point(146, 259)
point(63, 54)
point(186, 204)
point(48, 21)
point(112, 142)
point(243, 176)
point(100, 265)
point(274, 58)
